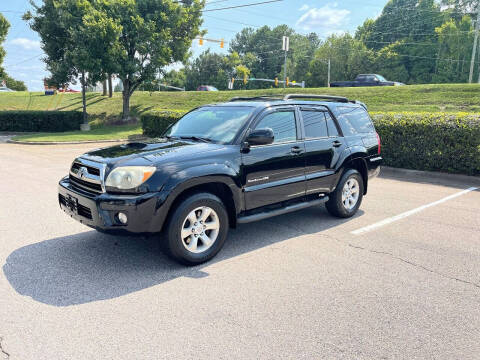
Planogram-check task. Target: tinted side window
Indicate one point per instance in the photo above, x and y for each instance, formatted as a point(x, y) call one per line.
point(354, 120)
point(332, 128)
point(283, 125)
point(314, 123)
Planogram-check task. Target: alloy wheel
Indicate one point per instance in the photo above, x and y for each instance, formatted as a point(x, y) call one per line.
point(200, 229)
point(350, 193)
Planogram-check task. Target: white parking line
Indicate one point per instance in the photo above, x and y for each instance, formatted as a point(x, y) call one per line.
point(408, 213)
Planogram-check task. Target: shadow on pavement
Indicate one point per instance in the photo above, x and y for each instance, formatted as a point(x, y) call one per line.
point(91, 266)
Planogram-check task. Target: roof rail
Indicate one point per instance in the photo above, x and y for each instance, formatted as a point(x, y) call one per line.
point(313, 96)
point(262, 97)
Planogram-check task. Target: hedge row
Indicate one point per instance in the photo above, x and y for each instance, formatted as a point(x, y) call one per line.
point(35, 121)
point(155, 122)
point(430, 141)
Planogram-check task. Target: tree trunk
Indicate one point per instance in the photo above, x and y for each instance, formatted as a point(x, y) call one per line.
point(126, 100)
point(110, 86)
point(84, 98)
point(104, 86)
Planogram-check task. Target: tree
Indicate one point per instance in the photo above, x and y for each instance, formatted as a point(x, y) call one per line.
point(152, 35)
point(455, 43)
point(265, 45)
point(175, 78)
point(349, 57)
point(10, 82)
point(4, 26)
point(208, 69)
point(75, 36)
point(13, 84)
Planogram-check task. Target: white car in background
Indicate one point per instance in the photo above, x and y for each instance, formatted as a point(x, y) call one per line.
point(5, 89)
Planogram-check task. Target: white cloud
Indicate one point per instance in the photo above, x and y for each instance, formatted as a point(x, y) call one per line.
point(327, 17)
point(304, 7)
point(27, 44)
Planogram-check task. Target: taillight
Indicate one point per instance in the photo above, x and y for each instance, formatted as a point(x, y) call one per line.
point(379, 143)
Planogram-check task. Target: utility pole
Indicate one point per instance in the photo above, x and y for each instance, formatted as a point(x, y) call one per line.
point(286, 46)
point(328, 72)
point(479, 63)
point(474, 50)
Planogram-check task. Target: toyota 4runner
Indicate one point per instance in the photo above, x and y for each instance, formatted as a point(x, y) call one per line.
point(226, 164)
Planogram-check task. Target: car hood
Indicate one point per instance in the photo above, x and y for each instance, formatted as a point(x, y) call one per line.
point(143, 153)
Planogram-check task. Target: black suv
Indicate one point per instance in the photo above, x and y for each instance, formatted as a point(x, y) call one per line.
point(225, 164)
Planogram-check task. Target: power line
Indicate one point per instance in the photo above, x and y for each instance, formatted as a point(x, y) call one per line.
point(233, 21)
point(241, 6)
point(21, 62)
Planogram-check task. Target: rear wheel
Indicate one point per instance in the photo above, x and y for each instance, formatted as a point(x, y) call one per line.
point(347, 197)
point(197, 229)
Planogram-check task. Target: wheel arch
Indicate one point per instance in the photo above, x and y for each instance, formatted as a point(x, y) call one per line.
point(222, 186)
point(357, 161)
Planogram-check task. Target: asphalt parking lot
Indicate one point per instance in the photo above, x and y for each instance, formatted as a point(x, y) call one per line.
point(401, 280)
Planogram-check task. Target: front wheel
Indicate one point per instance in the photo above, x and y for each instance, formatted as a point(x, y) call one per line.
point(347, 197)
point(197, 229)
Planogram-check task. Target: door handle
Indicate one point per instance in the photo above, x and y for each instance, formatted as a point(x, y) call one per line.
point(337, 143)
point(296, 150)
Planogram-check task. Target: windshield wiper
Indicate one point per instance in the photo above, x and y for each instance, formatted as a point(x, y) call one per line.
point(168, 137)
point(196, 138)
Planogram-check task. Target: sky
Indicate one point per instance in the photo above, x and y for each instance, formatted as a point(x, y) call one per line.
point(324, 17)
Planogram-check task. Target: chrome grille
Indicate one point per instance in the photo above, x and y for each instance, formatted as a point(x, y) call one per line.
point(87, 175)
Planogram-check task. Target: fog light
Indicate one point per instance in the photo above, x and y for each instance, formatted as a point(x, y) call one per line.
point(122, 217)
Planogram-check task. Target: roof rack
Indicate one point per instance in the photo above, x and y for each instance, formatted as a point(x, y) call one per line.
point(262, 97)
point(312, 96)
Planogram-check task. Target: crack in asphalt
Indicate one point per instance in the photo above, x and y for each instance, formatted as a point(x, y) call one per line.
point(415, 265)
point(2, 350)
point(379, 252)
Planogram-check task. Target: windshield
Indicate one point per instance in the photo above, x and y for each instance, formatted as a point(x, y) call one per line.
point(381, 78)
point(215, 123)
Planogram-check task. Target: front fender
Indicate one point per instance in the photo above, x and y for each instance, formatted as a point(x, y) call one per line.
point(193, 176)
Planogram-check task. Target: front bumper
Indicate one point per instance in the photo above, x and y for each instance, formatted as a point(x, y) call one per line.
point(99, 211)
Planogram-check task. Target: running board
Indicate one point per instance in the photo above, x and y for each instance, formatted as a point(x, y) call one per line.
point(285, 210)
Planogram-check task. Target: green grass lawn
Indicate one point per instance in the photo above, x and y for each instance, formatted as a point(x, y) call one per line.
point(103, 110)
point(103, 133)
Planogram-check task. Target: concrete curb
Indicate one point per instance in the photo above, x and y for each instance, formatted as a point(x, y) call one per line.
point(10, 141)
point(391, 171)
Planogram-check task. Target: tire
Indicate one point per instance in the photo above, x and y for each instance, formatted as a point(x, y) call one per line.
point(345, 207)
point(189, 227)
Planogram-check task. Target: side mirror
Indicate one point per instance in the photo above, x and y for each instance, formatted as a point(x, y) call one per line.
point(260, 137)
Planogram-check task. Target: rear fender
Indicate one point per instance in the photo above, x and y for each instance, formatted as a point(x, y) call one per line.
point(354, 159)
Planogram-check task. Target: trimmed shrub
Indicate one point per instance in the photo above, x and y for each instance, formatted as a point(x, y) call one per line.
point(430, 141)
point(155, 122)
point(36, 121)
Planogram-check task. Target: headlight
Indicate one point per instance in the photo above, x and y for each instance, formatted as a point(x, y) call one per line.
point(129, 177)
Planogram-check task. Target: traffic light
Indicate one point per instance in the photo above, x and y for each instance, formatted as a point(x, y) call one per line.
point(245, 80)
point(222, 44)
point(288, 81)
point(276, 81)
point(200, 41)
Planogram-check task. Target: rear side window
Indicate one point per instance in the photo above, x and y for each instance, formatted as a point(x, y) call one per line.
point(354, 120)
point(283, 125)
point(332, 128)
point(314, 123)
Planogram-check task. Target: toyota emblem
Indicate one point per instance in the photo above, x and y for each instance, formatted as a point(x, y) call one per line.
point(82, 172)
